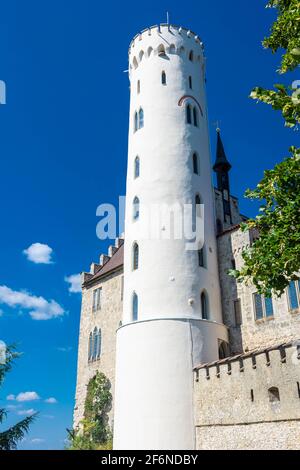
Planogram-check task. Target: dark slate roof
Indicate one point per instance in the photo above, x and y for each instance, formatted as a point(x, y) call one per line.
point(221, 160)
point(114, 263)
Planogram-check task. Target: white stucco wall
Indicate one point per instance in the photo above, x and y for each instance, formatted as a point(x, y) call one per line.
point(154, 381)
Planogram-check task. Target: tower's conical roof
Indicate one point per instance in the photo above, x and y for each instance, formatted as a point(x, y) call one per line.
point(221, 164)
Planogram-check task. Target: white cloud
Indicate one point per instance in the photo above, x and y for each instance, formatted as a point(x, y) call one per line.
point(24, 396)
point(75, 283)
point(37, 440)
point(39, 253)
point(11, 397)
point(64, 349)
point(48, 416)
point(39, 308)
point(29, 412)
point(51, 400)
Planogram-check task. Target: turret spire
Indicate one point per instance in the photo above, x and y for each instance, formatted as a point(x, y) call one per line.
point(222, 168)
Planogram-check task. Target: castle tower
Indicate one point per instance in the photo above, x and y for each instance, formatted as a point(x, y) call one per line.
point(172, 310)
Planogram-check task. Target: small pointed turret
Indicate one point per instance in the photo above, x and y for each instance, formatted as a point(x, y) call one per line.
point(222, 168)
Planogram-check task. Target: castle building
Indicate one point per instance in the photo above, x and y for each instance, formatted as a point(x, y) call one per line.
point(195, 360)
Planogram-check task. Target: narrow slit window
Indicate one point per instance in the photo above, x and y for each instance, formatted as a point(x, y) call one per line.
point(163, 78)
point(190, 83)
point(188, 114)
point(195, 164)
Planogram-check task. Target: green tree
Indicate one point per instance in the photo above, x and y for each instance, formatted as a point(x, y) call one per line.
point(11, 436)
point(94, 432)
point(274, 258)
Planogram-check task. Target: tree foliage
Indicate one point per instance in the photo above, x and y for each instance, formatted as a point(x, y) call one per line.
point(11, 436)
point(94, 432)
point(274, 258)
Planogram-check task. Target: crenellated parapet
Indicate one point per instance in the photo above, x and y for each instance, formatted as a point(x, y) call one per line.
point(163, 40)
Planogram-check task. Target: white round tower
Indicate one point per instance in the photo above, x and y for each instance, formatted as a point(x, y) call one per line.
point(172, 310)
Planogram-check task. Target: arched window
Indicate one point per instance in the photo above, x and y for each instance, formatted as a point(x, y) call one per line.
point(95, 343)
point(201, 260)
point(172, 49)
point(161, 50)
point(99, 343)
point(204, 306)
point(138, 86)
point(136, 208)
point(135, 256)
point(150, 50)
point(223, 350)
point(90, 348)
point(163, 78)
point(190, 82)
point(136, 167)
point(135, 62)
point(188, 114)
point(191, 56)
point(135, 307)
point(136, 121)
point(141, 118)
point(195, 116)
point(274, 396)
point(182, 50)
point(195, 164)
point(141, 55)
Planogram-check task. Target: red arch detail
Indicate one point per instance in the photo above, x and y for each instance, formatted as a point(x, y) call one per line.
point(185, 97)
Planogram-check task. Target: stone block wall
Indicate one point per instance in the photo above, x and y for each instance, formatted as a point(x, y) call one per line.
point(235, 409)
point(108, 319)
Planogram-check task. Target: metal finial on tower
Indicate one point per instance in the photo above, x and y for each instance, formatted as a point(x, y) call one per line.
point(217, 124)
point(168, 18)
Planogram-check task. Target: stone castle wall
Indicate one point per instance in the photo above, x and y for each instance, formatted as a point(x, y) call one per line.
point(234, 408)
point(108, 319)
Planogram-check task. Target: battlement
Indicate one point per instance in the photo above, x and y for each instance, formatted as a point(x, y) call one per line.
point(255, 387)
point(165, 39)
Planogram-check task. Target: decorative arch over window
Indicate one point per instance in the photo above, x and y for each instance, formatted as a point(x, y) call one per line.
point(141, 55)
point(135, 307)
point(136, 208)
point(136, 167)
point(191, 56)
point(185, 97)
point(149, 52)
point(195, 116)
point(204, 306)
point(195, 164)
point(90, 348)
point(135, 256)
point(163, 78)
point(135, 63)
point(161, 50)
point(141, 118)
point(189, 114)
point(274, 395)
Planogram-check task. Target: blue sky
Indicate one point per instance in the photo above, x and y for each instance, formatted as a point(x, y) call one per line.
point(63, 146)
